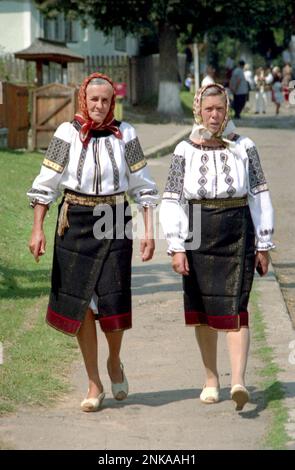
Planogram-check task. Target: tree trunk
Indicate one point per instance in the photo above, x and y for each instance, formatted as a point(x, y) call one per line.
point(169, 100)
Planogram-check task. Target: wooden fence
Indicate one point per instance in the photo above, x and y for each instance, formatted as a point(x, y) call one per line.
point(52, 105)
point(116, 67)
point(16, 70)
point(20, 71)
point(14, 114)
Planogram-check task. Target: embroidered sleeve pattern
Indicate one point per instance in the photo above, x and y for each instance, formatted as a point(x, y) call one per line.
point(134, 155)
point(174, 185)
point(36, 192)
point(256, 176)
point(57, 155)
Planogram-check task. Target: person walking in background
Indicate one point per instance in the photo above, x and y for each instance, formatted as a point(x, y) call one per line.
point(94, 160)
point(219, 172)
point(277, 89)
point(287, 77)
point(260, 93)
point(239, 88)
point(209, 77)
point(229, 66)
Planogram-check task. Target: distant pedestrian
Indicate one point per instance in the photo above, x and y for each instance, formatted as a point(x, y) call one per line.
point(260, 91)
point(209, 77)
point(277, 89)
point(287, 77)
point(250, 81)
point(239, 88)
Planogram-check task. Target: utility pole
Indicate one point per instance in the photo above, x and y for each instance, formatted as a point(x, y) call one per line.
point(196, 66)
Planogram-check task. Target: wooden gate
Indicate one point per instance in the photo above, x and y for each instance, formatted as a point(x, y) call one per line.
point(52, 105)
point(14, 114)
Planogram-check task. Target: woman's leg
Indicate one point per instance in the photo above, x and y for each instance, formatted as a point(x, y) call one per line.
point(207, 340)
point(238, 345)
point(87, 339)
point(114, 340)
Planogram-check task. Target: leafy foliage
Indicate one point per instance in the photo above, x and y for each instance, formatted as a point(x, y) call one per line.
point(240, 18)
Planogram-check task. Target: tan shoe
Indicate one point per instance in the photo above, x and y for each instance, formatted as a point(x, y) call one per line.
point(240, 395)
point(120, 390)
point(92, 404)
point(209, 395)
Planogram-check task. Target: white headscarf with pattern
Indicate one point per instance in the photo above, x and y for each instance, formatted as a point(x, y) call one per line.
point(199, 131)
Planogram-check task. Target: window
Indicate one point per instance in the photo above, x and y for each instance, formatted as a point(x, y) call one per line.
point(71, 31)
point(46, 28)
point(53, 29)
point(120, 40)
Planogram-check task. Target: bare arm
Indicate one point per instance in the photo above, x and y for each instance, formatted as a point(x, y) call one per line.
point(147, 245)
point(37, 242)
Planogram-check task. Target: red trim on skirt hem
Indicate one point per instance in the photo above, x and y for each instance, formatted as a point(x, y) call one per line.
point(115, 322)
point(61, 323)
point(218, 322)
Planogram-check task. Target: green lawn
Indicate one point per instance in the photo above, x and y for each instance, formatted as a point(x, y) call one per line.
point(276, 436)
point(35, 357)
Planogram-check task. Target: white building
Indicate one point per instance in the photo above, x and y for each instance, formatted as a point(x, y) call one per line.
point(21, 23)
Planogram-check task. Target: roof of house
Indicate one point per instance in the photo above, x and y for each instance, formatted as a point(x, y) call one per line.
point(45, 50)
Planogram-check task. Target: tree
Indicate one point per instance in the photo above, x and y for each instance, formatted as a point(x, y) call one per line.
point(170, 19)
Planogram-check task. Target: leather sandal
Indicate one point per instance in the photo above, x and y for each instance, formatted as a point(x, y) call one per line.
point(120, 390)
point(209, 395)
point(92, 404)
point(240, 395)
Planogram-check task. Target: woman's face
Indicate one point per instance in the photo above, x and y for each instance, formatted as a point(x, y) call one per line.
point(213, 111)
point(98, 100)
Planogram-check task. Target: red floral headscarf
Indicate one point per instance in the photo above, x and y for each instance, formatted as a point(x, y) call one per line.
point(83, 117)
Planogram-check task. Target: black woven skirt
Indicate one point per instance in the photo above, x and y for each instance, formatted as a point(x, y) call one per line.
point(217, 289)
point(83, 264)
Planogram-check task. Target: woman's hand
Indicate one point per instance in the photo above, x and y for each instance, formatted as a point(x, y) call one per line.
point(147, 244)
point(262, 262)
point(37, 243)
point(147, 248)
point(180, 263)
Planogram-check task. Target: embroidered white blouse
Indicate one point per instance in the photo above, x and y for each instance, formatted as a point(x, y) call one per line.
point(200, 172)
point(106, 166)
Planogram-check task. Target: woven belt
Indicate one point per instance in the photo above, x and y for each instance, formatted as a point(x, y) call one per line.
point(75, 199)
point(222, 202)
point(92, 201)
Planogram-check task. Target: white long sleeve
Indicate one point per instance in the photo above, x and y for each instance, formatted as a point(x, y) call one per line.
point(259, 200)
point(141, 187)
point(174, 222)
point(173, 217)
point(46, 186)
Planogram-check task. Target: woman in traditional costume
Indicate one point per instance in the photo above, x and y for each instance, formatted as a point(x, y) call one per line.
point(94, 160)
point(217, 174)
